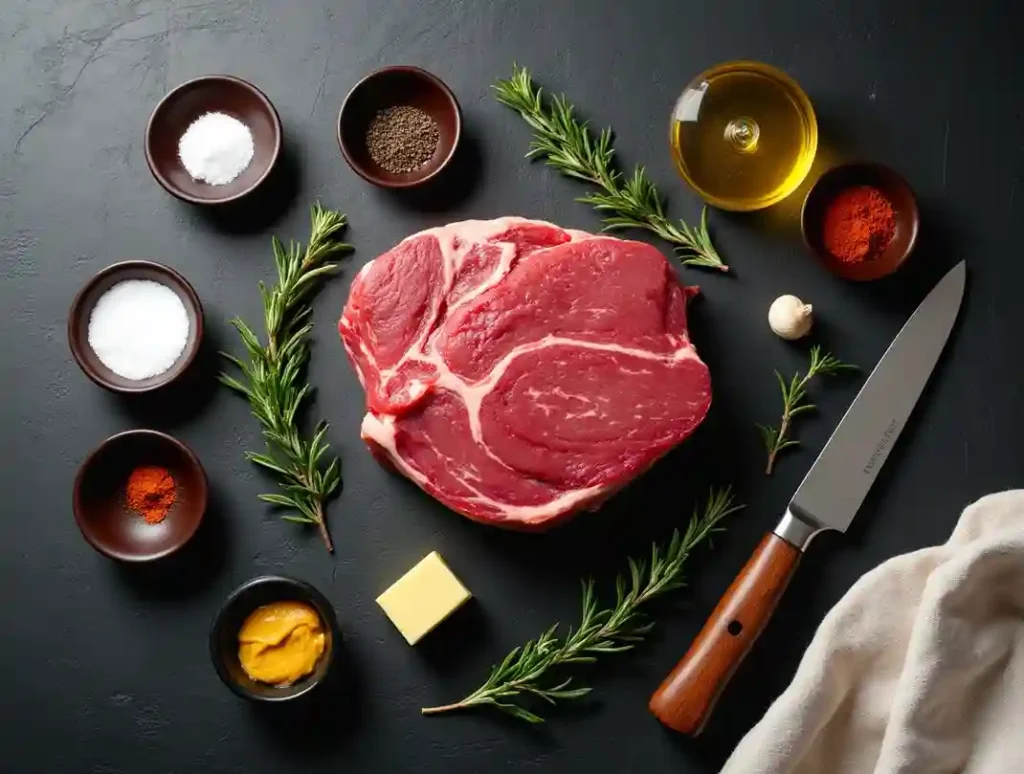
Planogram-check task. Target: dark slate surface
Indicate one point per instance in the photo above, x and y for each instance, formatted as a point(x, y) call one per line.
point(106, 667)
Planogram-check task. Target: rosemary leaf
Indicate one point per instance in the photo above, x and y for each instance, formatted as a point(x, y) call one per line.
point(569, 146)
point(794, 402)
point(271, 378)
point(537, 668)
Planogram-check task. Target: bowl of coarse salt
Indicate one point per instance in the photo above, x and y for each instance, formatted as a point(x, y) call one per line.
point(135, 326)
point(213, 139)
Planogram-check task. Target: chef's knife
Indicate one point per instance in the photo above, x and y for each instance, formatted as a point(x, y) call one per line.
point(828, 498)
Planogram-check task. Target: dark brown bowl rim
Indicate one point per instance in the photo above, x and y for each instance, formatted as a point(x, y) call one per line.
point(913, 215)
point(76, 497)
point(175, 371)
point(435, 81)
point(172, 189)
point(305, 592)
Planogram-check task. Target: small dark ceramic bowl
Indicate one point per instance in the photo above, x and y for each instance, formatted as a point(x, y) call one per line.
point(99, 496)
point(85, 301)
point(893, 187)
point(388, 87)
point(242, 601)
point(192, 99)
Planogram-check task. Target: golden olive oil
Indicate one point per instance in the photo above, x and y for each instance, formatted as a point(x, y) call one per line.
point(743, 135)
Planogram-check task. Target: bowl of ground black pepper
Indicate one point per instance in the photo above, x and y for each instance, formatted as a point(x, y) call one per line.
point(139, 496)
point(860, 220)
point(399, 127)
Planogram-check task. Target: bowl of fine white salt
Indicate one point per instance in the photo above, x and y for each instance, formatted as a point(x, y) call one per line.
point(213, 139)
point(135, 326)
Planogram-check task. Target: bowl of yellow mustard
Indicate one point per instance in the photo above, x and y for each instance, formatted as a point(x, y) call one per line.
point(274, 639)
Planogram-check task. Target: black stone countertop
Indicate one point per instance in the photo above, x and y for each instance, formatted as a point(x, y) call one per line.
point(106, 666)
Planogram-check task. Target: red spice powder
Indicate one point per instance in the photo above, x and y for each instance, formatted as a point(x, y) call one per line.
point(151, 492)
point(859, 224)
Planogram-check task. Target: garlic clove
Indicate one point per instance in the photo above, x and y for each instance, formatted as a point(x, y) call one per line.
point(790, 318)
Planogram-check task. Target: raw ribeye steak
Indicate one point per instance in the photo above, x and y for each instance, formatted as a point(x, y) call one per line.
point(520, 372)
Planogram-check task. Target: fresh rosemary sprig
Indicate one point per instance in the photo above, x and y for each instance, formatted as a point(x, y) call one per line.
point(794, 402)
point(526, 672)
point(272, 374)
point(569, 146)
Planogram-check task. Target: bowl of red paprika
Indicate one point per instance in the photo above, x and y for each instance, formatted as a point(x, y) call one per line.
point(139, 496)
point(860, 220)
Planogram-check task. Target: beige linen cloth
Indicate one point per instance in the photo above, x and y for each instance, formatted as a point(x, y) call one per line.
point(919, 668)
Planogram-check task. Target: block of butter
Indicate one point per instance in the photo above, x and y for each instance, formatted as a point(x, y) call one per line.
point(423, 597)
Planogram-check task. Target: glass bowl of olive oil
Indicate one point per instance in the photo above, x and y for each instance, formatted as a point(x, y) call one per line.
point(743, 135)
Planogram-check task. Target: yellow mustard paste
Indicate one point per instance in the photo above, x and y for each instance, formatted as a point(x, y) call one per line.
point(281, 642)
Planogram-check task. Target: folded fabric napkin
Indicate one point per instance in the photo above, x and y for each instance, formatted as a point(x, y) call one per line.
point(919, 668)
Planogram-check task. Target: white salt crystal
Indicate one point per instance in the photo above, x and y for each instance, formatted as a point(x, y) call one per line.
point(138, 329)
point(216, 148)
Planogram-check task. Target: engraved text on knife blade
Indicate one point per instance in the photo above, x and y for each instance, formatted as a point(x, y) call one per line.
point(883, 444)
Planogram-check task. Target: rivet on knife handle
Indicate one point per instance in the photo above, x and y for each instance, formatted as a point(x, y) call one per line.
point(686, 697)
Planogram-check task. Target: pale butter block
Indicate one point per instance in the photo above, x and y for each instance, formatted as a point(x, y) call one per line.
point(423, 597)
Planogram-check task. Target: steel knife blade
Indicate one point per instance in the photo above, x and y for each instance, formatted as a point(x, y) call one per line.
point(828, 498)
point(839, 480)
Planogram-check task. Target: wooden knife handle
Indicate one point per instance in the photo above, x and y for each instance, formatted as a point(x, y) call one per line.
point(686, 697)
